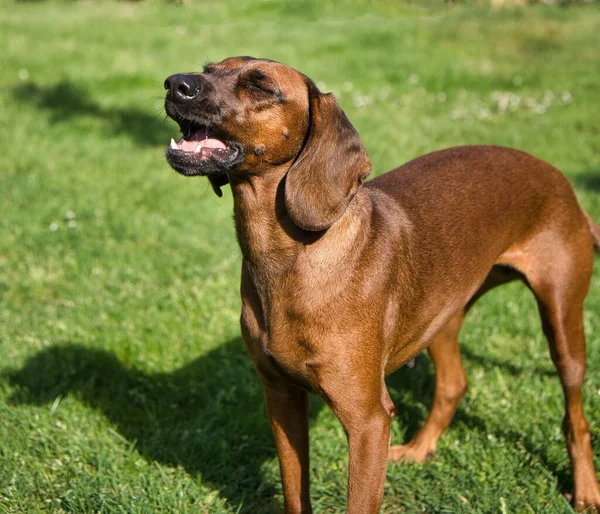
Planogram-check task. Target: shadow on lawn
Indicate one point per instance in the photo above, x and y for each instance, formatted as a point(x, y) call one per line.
point(588, 180)
point(489, 362)
point(208, 416)
point(65, 101)
point(419, 382)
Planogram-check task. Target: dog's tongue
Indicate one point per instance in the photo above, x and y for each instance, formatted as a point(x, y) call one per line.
point(198, 141)
point(189, 145)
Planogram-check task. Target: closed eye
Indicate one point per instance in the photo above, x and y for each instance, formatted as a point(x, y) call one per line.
point(259, 87)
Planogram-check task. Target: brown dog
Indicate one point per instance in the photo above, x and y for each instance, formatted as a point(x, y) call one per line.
point(343, 283)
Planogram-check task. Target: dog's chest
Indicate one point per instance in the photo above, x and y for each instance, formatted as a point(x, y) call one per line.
point(282, 345)
point(302, 334)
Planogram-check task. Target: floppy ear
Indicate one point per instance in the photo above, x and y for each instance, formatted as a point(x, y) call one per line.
point(330, 168)
point(216, 183)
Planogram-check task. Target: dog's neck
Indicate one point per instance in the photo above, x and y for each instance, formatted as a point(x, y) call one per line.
point(272, 245)
point(268, 243)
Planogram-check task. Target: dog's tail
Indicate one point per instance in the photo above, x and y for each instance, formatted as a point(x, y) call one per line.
point(595, 230)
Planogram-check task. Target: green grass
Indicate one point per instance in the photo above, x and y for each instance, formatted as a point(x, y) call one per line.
point(124, 384)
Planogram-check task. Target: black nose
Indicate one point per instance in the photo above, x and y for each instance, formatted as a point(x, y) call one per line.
point(183, 87)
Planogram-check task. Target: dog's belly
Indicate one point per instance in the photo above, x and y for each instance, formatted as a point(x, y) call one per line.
point(408, 344)
point(431, 315)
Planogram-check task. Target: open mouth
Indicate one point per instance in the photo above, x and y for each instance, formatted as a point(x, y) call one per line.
point(201, 152)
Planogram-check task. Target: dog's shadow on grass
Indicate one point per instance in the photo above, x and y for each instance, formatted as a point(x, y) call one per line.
point(412, 389)
point(67, 101)
point(207, 416)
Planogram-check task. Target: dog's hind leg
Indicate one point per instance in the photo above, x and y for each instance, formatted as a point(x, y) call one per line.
point(450, 377)
point(450, 386)
point(561, 309)
point(558, 271)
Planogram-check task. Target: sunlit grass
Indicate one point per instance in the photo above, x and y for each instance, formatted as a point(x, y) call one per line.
point(124, 383)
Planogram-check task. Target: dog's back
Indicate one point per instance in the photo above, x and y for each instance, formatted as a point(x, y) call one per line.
point(499, 196)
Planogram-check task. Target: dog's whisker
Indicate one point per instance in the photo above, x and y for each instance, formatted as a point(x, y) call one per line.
point(204, 192)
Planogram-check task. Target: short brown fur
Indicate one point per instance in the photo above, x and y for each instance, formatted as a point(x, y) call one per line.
point(343, 283)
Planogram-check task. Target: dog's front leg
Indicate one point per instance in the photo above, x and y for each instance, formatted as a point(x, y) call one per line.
point(367, 422)
point(287, 409)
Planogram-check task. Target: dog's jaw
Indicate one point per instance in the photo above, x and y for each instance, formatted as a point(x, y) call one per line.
point(203, 153)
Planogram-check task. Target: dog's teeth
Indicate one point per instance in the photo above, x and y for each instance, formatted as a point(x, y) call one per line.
point(173, 145)
point(198, 149)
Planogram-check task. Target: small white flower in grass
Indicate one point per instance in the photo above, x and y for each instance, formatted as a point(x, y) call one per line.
point(566, 97)
point(53, 226)
point(384, 92)
point(503, 102)
point(548, 97)
point(361, 100)
point(515, 100)
point(530, 103)
point(539, 109)
point(23, 74)
point(598, 392)
point(72, 224)
point(490, 437)
point(358, 102)
point(484, 113)
point(486, 67)
point(70, 215)
point(411, 363)
point(413, 79)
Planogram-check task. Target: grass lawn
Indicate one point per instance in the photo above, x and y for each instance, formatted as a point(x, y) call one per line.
point(124, 384)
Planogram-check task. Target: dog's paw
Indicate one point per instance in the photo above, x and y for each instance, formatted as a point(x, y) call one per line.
point(587, 501)
point(587, 498)
point(410, 453)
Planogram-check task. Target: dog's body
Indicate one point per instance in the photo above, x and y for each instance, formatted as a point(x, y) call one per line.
point(343, 284)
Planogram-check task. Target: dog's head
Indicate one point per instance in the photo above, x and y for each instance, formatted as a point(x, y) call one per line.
point(245, 116)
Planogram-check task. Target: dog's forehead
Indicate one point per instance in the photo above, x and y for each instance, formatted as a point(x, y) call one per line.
point(251, 63)
point(234, 63)
point(289, 80)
